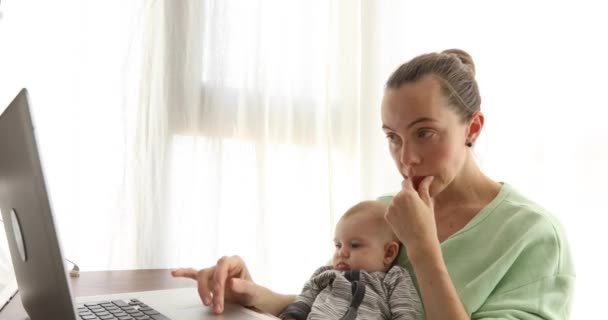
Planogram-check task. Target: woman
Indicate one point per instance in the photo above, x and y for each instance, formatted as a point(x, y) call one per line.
point(477, 248)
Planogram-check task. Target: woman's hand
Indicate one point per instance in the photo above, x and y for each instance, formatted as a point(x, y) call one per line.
point(412, 217)
point(227, 281)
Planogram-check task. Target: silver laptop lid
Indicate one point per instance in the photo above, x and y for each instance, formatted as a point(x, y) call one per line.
point(28, 220)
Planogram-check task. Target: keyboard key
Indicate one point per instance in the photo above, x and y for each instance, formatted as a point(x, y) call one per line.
point(135, 301)
point(92, 304)
point(159, 317)
point(132, 309)
point(118, 313)
point(120, 303)
point(150, 312)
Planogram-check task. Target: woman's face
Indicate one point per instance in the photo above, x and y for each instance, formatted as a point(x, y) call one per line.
point(425, 136)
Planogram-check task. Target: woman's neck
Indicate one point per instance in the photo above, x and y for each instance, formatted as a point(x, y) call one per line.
point(469, 189)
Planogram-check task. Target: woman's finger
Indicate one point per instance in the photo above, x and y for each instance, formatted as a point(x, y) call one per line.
point(203, 285)
point(424, 189)
point(219, 282)
point(407, 184)
point(185, 273)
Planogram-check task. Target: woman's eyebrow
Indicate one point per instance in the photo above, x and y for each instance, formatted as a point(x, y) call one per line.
point(421, 119)
point(413, 123)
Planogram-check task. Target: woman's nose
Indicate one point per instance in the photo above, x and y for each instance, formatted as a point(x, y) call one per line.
point(408, 156)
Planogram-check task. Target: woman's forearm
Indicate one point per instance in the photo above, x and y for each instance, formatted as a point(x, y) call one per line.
point(274, 303)
point(441, 301)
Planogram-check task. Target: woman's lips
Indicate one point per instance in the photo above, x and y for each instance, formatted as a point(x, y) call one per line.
point(416, 181)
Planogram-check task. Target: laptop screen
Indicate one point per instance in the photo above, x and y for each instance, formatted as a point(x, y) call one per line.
point(28, 221)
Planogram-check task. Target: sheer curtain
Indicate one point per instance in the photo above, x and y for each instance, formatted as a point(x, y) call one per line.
point(264, 135)
point(174, 132)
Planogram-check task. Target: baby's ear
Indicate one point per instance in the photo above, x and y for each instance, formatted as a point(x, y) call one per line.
point(391, 251)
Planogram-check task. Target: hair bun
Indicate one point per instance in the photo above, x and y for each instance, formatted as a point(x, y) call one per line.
point(464, 57)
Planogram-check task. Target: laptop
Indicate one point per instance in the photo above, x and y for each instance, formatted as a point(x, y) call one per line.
point(36, 252)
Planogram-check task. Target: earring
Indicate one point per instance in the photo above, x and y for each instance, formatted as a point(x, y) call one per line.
point(469, 144)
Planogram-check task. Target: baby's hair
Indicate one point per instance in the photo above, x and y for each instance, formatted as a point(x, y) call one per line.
point(375, 208)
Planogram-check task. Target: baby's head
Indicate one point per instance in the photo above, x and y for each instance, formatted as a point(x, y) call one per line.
point(363, 239)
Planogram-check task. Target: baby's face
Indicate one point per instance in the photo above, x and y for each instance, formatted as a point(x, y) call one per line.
point(359, 244)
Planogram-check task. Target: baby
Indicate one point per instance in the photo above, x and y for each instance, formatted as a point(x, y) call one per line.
point(363, 281)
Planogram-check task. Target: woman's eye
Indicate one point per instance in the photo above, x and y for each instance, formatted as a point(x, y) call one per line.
point(425, 134)
point(392, 138)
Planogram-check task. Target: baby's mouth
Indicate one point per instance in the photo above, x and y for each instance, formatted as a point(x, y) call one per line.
point(342, 266)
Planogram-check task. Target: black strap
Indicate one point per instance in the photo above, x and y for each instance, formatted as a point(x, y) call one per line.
point(352, 275)
point(358, 289)
point(297, 310)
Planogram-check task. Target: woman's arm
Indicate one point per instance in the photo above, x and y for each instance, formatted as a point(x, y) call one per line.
point(441, 301)
point(229, 280)
point(412, 217)
point(274, 303)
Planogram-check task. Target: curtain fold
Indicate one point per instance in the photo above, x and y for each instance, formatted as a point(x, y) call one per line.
point(266, 151)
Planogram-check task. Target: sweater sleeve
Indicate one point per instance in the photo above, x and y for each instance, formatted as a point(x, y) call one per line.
point(545, 299)
point(538, 285)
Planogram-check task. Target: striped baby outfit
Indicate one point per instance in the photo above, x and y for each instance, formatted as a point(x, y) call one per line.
point(350, 295)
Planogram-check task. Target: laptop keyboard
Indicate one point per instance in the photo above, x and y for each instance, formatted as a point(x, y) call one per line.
point(118, 310)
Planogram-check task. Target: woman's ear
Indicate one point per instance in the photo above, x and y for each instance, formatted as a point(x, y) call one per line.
point(391, 250)
point(474, 127)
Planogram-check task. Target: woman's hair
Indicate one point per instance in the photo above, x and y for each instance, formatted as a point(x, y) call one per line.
point(455, 70)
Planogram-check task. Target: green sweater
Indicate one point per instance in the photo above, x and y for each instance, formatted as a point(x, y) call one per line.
point(511, 261)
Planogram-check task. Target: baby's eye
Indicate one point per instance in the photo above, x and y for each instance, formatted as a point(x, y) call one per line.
point(356, 245)
point(338, 246)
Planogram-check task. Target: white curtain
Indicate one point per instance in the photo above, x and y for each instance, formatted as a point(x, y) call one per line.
point(174, 132)
point(263, 141)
